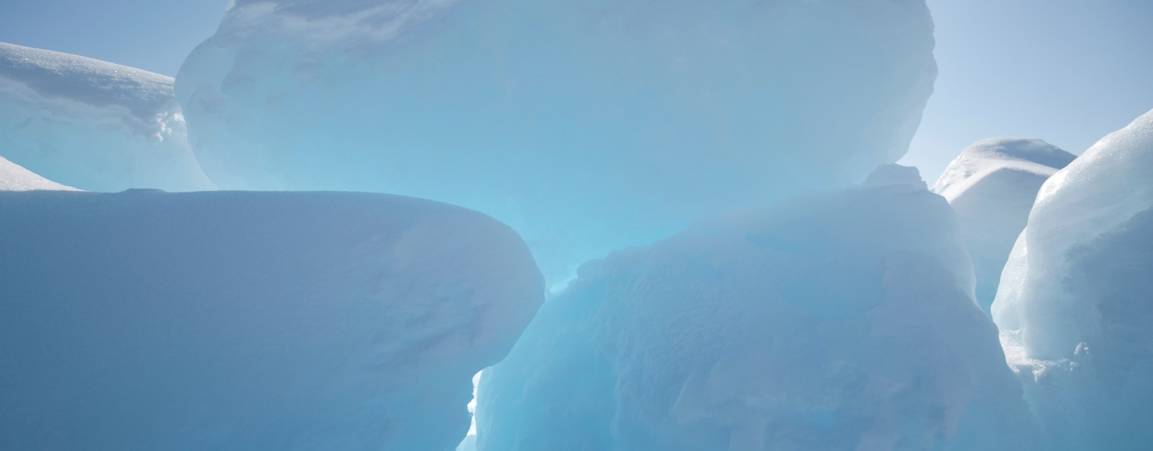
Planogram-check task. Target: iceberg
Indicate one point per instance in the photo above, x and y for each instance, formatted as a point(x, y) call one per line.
point(1073, 305)
point(14, 177)
point(588, 126)
point(830, 322)
point(239, 321)
point(992, 185)
point(91, 124)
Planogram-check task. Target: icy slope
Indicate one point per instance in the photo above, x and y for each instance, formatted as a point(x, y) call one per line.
point(992, 185)
point(835, 322)
point(250, 321)
point(92, 124)
point(588, 126)
point(13, 177)
point(1074, 304)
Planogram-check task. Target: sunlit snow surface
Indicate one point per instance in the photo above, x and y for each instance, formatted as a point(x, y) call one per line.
point(842, 321)
point(14, 177)
point(586, 125)
point(1075, 304)
point(250, 321)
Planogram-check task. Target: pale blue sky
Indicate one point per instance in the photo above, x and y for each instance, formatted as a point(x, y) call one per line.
point(1067, 71)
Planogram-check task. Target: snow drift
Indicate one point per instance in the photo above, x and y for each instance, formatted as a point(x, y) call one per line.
point(250, 321)
point(14, 177)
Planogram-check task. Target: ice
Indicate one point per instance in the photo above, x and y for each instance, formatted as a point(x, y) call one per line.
point(14, 177)
point(841, 321)
point(992, 185)
point(588, 126)
point(91, 124)
point(1074, 305)
point(250, 321)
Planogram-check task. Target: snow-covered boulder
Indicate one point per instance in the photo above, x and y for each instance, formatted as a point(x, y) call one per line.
point(1075, 303)
point(14, 177)
point(834, 322)
point(586, 125)
point(992, 185)
point(91, 124)
point(250, 321)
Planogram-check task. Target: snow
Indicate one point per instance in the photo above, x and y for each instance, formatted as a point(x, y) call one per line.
point(829, 322)
point(992, 185)
point(1074, 305)
point(92, 124)
point(14, 177)
point(237, 321)
point(588, 126)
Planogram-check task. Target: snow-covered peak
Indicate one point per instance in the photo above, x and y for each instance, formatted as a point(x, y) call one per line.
point(14, 177)
point(1031, 156)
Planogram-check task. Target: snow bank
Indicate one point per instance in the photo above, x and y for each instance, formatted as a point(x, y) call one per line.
point(92, 124)
point(588, 126)
point(250, 321)
point(1074, 304)
point(14, 177)
point(834, 322)
point(992, 185)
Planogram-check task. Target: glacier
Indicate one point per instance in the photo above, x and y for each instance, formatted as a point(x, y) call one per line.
point(92, 124)
point(1074, 306)
point(992, 185)
point(834, 321)
point(238, 321)
point(588, 126)
point(14, 177)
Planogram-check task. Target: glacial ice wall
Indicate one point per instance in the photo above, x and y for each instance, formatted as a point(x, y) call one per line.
point(588, 126)
point(250, 321)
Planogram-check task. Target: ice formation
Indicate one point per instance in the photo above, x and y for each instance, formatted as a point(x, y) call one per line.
point(992, 185)
point(1074, 304)
point(14, 177)
point(587, 126)
point(91, 124)
point(250, 321)
point(833, 322)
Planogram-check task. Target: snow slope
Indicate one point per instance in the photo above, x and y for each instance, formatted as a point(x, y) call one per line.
point(1074, 304)
point(14, 177)
point(92, 124)
point(250, 321)
point(992, 185)
point(588, 126)
point(842, 321)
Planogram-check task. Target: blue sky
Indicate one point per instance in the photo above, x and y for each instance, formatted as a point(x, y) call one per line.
point(1067, 71)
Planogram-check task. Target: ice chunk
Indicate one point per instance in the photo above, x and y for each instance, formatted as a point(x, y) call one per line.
point(992, 185)
point(91, 124)
point(833, 322)
point(1074, 304)
point(250, 321)
point(14, 177)
point(588, 125)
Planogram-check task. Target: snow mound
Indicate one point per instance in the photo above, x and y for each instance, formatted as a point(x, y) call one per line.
point(250, 321)
point(1074, 305)
point(588, 126)
point(14, 177)
point(92, 124)
point(992, 185)
point(833, 322)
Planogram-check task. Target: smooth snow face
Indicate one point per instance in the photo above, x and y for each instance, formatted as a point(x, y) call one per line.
point(992, 185)
point(1074, 305)
point(250, 321)
point(836, 322)
point(588, 126)
point(14, 177)
point(92, 124)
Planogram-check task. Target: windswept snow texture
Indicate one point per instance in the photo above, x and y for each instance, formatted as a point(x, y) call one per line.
point(835, 322)
point(1075, 306)
point(91, 124)
point(586, 125)
point(14, 177)
point(250, 321)
point(992, 185)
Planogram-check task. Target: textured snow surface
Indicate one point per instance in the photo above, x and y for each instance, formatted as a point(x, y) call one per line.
point(14, 177)
point(1074, 304)
point(836, 322)
point(587, 126)
point(992, 185)
point(250, 321)
point(92, 124)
